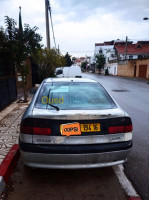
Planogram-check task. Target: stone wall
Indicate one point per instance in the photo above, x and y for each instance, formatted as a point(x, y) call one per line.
point(128, 69)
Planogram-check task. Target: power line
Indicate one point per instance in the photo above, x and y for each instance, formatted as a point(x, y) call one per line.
point(49, 7)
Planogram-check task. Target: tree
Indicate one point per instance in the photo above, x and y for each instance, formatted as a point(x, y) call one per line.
point(48, 60)
point(100, 61)
point(68, 60)
point(21, 44)
point(83, 65)
point(3, 38)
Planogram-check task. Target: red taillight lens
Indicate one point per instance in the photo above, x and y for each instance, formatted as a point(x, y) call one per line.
point(128, 128)
point(116, 129)
point(41, 131)
point(26, 129)
point(120, 129)
point(35, 130)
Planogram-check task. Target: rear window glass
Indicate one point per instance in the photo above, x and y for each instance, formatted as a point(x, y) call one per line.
point(74, 96)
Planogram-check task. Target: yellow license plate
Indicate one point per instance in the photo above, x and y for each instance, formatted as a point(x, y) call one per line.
point(88, 127)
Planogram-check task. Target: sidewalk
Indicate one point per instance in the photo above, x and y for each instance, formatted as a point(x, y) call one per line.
point(10, 119)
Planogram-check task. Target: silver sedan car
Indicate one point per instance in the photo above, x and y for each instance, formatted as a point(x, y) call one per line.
point(74, 123)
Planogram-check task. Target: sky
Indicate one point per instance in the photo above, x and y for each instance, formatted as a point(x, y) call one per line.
point(79, 24)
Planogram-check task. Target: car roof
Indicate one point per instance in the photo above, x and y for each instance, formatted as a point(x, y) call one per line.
point(86, 80)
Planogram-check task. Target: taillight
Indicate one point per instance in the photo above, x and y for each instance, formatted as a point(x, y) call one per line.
point(41, 131)
point(128, 128)
point(116, 129)
point(120, 129)
point(26, 129)
point(30, 126)
point(35, 130)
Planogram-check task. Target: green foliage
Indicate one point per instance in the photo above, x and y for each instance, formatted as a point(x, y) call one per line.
point(68, 60)
point(11, 28)
point(106, 71)
point(20, 44)
point(3, 40)
point(48, 61)
point(83, 65)
point(31, 40)
point(100, 61)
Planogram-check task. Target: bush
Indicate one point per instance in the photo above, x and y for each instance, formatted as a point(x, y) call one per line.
point(106, 72)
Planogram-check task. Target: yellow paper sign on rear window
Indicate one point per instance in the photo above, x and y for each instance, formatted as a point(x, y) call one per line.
point(71, 129)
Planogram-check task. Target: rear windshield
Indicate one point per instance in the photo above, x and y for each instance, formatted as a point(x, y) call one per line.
point(74, 96)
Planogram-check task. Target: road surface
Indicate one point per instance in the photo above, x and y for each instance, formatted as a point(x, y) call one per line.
point(133, 96)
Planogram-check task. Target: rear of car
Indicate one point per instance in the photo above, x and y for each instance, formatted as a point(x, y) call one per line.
point(105, 136)
point(73, 71)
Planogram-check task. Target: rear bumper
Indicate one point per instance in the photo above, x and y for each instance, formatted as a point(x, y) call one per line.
point(74, 161)
point(84, 156)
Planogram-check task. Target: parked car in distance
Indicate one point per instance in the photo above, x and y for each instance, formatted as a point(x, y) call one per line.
point(73, 71)
point(74, 123)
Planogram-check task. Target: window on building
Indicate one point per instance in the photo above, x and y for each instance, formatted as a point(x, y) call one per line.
point(130, 57)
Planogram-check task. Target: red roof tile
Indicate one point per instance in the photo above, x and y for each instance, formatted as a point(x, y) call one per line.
point(99, 44)
point(105, 43)
point(78, 61)
point(143, 42)
point(109, 42)
point(133, 49)
point(123, 42)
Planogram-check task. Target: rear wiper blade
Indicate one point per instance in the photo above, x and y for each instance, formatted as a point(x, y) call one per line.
point(56, 107)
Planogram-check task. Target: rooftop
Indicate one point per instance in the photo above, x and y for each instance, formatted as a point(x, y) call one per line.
point(106, 43)
point(133, 49)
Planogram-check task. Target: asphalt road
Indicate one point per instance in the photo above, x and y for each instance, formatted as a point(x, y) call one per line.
point(48, 184)
point(133, 96)
point(134, 99)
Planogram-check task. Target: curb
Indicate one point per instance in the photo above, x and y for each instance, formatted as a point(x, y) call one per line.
point(125, 183)
point(8, 165)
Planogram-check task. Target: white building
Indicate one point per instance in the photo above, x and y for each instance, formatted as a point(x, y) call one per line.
point(107, 48)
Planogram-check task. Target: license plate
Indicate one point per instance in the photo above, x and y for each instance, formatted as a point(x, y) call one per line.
point(70, 129)
point(87, 127)
point(90, 127)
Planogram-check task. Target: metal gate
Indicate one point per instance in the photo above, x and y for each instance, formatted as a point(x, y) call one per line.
point(8, 90)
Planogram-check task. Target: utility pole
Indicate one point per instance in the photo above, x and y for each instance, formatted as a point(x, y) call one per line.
point(58, 49)
point(47, 23)
point(126, 47)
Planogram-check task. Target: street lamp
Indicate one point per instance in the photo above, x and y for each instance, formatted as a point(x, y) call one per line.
point(145, 18)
